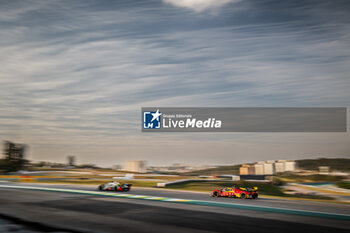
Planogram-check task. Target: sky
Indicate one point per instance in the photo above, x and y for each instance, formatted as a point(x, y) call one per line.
point(75, 74)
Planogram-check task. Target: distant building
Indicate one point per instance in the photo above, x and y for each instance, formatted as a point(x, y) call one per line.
point(285, 166)
point(251, 170)
point(247, 169)
point(136, 166)
point(244, 170)
point(280, 166)
point(14, 156)
point(269, 168)
point(290, 166)
point(71, 160)
point(14, 151)
point(259, 169)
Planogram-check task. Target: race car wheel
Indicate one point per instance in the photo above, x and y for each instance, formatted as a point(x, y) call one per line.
point(243, 196)
point(215, 194)
point(101, 187)
point(255, 196)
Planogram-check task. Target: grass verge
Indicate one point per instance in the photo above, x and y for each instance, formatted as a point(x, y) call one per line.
point(344, 185)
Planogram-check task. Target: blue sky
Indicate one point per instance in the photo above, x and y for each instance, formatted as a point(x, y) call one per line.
point(75, 74)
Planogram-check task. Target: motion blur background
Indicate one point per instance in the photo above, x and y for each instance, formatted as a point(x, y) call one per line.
point(74, 76)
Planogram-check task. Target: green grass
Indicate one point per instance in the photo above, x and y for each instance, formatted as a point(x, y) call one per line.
point(339, 164)
point(309, 196)
point(234, 170)
point(309, 178)
point(344, 185)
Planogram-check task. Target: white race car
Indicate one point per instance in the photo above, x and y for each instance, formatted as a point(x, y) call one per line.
point(115, 186)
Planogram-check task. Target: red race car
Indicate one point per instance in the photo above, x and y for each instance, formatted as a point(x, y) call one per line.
point(240, 192)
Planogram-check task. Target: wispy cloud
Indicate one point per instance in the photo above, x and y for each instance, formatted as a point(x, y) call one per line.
point(78, 73)
point(200, 5)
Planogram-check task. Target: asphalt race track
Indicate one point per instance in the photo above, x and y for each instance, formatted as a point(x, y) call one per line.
point(159, 210)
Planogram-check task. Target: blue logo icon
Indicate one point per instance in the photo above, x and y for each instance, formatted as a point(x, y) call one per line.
point(152, 120)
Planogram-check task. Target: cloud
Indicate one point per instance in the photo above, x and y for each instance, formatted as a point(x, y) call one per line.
point(199, 5)
point(81, 76)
